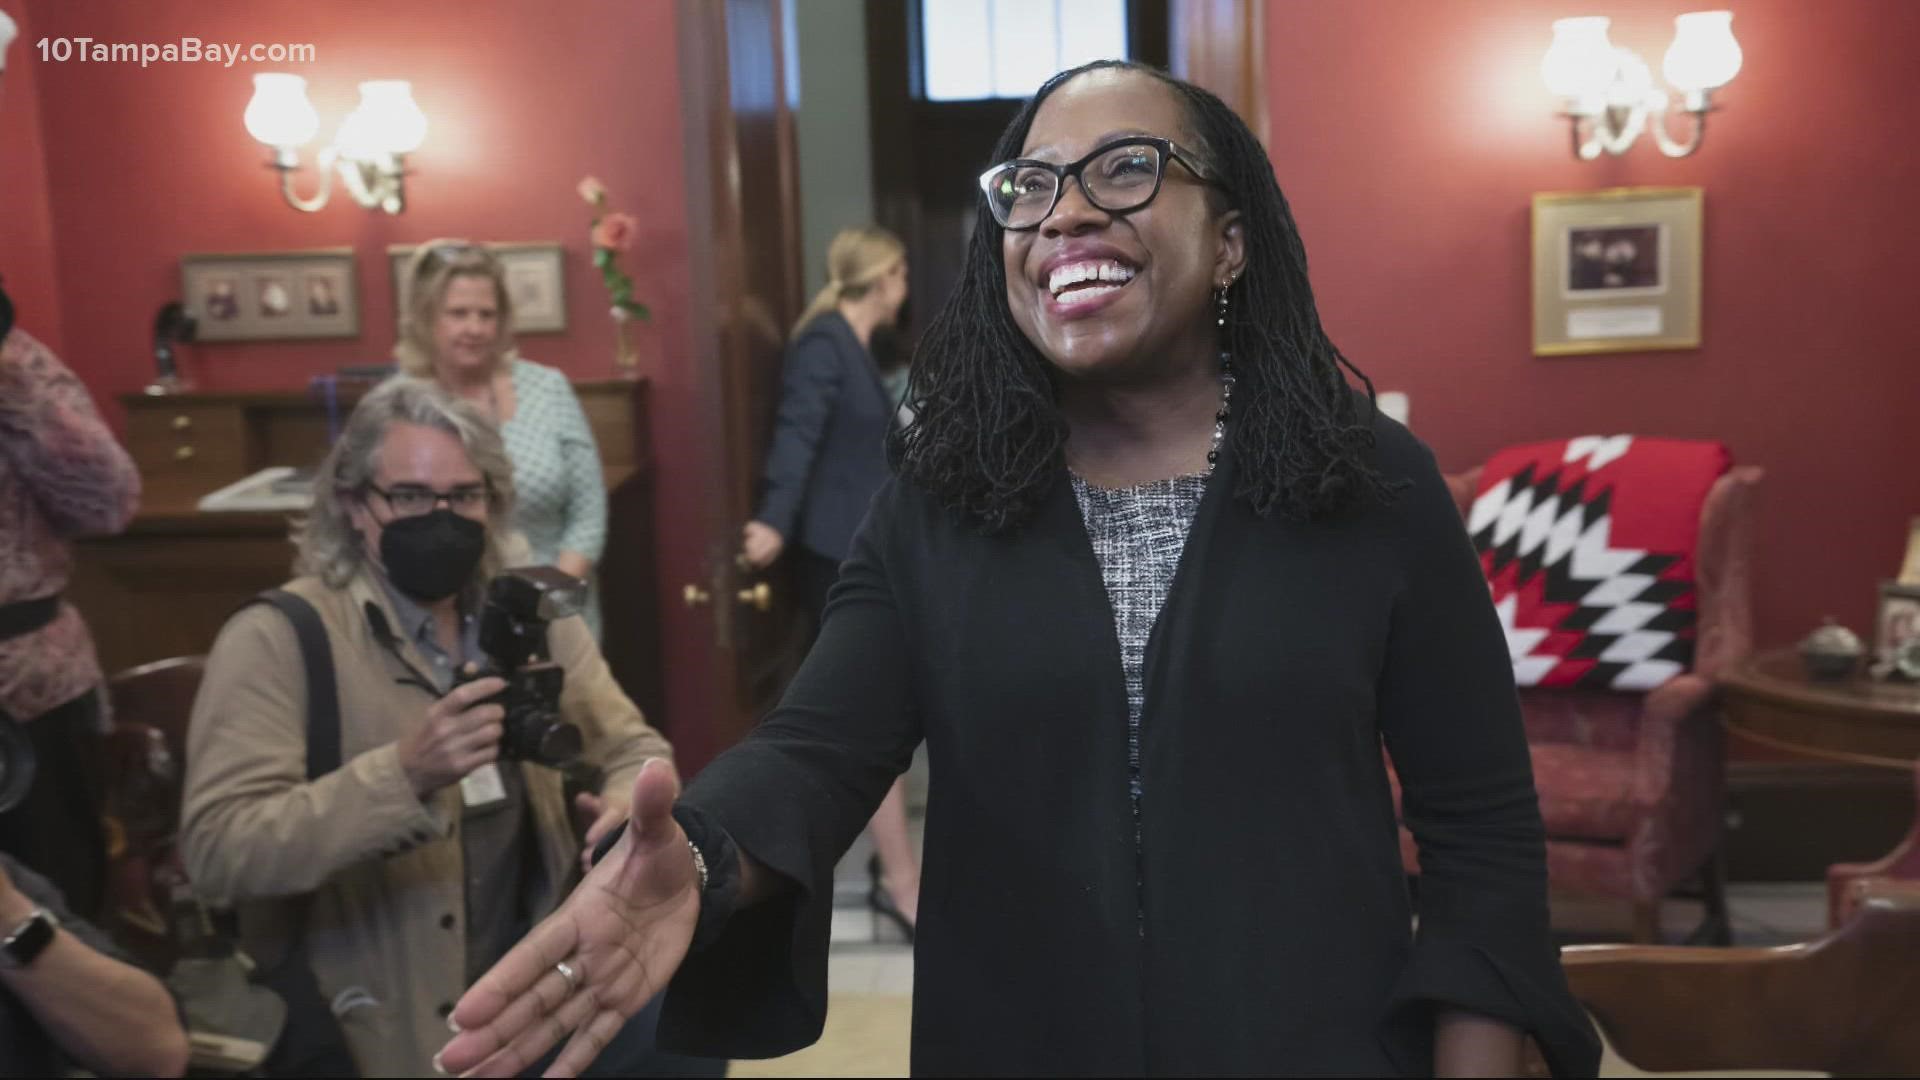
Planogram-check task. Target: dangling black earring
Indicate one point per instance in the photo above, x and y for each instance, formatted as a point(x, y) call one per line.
point(1221, 417)
point(1220, 320)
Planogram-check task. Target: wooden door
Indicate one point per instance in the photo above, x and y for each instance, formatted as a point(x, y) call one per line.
point(1221, 45)
point(743, 213)
point(928, 154)
point(737, 90)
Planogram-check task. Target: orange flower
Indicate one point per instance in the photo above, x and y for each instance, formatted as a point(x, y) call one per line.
point(612, 234)
point(615, 232)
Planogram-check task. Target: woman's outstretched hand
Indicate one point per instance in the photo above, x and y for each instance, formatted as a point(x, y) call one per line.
point(622, 935)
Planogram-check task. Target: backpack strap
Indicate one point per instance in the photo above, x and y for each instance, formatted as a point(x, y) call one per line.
point(323, 694)
point(311, 1042)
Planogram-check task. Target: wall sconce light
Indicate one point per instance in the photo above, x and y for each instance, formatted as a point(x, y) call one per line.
point(1609, 91)
point(369, 150)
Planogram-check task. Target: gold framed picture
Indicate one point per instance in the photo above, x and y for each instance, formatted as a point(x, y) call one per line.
point(272, 296)
point(536, 279)
point(1616, 270)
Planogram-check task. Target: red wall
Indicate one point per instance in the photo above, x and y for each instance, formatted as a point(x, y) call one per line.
point(26, 229)
point(1411, 136)
point(522, 100)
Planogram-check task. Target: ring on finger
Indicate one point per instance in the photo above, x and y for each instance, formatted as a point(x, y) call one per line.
point(568, 973)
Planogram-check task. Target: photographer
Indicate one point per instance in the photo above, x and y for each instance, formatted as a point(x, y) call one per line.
point(438, 842)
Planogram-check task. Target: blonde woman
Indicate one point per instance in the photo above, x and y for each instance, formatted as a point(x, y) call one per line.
point(458, 331)
point(826, 461)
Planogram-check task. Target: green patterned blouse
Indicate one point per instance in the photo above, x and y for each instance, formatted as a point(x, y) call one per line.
point(562, 494)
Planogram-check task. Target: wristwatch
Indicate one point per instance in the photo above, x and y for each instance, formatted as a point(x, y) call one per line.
point(28, 939)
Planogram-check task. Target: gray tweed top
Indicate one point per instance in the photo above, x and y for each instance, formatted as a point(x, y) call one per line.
point(1138, 533)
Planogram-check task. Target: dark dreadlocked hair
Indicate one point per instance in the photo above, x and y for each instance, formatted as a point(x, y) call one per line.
point(987, 439)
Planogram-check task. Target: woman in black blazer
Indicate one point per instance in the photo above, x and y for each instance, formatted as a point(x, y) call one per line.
point(1157, 587)
point(826, 462)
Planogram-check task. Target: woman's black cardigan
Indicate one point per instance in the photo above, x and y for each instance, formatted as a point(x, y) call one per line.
point(1262, 924)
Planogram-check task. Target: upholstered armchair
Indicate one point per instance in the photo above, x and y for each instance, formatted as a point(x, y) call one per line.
point(1632, 784)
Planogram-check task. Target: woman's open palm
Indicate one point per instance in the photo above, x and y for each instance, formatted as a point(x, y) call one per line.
point(621, 935)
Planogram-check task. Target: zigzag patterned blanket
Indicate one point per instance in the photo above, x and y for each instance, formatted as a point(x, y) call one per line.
point(1588, 545)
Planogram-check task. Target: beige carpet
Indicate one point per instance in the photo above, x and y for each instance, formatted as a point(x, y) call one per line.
point(866, 1035)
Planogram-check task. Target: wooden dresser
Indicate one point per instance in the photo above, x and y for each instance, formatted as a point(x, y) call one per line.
point(165, 586)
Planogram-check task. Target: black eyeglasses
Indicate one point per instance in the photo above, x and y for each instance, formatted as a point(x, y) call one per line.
point(412, 500)
point(1118, 177)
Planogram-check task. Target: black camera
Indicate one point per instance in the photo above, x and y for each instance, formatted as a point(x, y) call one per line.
point(520, 603)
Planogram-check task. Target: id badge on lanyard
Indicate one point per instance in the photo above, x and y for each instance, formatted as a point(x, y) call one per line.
point(483, 787)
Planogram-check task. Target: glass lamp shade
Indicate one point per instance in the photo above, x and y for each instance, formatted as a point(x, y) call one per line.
point(1704, 55)
point(1580, 62)
point(280, 114)
point(385, 122)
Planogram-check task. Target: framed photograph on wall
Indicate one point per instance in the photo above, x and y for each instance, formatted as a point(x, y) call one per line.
point(1616, 270)
point(536, 280)
point(272, 296)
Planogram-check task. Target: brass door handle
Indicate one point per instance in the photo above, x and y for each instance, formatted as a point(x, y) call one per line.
point(183, 453)
point(760, 597)
point(694, 595)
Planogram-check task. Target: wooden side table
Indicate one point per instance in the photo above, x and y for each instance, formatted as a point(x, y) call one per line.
point(1770, 700)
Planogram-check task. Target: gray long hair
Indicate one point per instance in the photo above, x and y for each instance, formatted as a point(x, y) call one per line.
point(330, 547)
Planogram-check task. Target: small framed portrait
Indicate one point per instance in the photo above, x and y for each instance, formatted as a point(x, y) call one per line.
point(1898, 623)
point(1614, 260)
point(323, 295)
point(1616, 271)
point(272, 296)
point(536, 280)
point(276, 300)
point(219, 303)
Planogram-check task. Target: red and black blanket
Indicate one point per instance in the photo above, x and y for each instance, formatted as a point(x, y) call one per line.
point(1588, 545)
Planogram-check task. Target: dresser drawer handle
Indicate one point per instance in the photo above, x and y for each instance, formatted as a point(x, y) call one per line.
point(183, 453)
point(182, 423)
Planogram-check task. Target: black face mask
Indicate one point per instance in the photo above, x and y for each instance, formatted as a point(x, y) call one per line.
point(430, 556)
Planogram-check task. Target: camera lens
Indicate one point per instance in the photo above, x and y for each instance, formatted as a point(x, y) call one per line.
point(559, 744)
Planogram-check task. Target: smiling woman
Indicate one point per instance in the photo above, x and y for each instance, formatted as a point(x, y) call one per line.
point(1155, 584)
point(1148, 144)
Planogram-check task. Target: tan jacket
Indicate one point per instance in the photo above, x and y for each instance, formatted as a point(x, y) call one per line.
point(385, 870)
